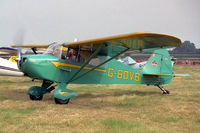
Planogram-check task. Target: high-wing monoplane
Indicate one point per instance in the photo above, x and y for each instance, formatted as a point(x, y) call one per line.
point(93, 62)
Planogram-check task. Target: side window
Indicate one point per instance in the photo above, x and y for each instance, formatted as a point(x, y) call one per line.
point(64, 53)
point(98, 60)
point(95, 61)
point(72, 55)
point(57, 52)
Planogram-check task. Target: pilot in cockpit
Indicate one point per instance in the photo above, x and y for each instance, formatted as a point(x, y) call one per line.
point(72, 54)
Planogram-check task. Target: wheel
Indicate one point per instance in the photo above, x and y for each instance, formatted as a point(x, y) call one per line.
point(59, 101)
point(166, 92)
point(32, 97)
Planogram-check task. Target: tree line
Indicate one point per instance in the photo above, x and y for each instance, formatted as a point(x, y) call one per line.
point(187, 47)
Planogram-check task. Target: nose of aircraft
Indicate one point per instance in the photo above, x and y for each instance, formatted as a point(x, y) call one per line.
point(22, 61)
point(32, 65)
point(24, 65)
point(37, 66)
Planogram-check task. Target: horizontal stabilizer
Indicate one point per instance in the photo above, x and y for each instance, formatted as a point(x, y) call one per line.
point(173, 75)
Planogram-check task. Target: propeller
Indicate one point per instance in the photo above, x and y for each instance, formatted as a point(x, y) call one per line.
point(18, 41)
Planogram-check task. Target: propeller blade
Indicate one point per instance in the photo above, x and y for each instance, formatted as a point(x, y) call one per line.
point(18, 41)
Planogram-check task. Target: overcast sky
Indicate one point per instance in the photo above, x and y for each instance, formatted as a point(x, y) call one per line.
point(46, 21)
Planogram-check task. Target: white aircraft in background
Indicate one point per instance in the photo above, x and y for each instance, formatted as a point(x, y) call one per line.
point(131, 62)
point(9, 67)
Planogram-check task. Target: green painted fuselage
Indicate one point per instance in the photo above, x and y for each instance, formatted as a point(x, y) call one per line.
point(51, 68)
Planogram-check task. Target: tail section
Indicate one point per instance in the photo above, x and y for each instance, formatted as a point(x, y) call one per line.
point(159, 63)
point(158, 69)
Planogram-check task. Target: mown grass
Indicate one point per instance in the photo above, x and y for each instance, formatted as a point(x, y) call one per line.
point(104, 108)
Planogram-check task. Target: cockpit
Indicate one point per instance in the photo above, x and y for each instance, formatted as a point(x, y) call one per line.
point(61, 52)
point(72, 54)
point(56, 50)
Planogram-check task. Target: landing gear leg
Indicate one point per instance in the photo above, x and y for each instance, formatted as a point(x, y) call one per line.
point(37, 92)
point(165, 91)
point(62, 95)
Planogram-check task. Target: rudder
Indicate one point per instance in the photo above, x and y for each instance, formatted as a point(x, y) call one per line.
point(159, 63)
point(158, 69)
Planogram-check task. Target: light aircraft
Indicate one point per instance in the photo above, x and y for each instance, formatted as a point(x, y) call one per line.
point(93, 62)
point(9, 67)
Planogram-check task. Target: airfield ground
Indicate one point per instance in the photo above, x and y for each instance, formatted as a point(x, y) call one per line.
point(104, 108)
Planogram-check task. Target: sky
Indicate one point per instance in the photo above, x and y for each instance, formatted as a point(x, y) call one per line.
point(47, 21)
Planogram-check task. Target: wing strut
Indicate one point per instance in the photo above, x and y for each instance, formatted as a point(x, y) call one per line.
point(88, 60)
point(99, 65)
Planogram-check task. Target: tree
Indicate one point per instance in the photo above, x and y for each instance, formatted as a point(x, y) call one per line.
point(186, 47)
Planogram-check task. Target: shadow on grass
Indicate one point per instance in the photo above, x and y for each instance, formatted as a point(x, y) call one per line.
point(139, 99)
point(21, 95)
point(117, 94)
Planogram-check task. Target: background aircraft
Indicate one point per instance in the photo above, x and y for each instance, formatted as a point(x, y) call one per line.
point(9, 67)
point(8, 62)
point(93, 62)
point(131, 62)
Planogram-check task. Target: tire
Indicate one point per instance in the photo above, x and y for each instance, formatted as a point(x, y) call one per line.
point(59, 101)
point(32, 97)
point(166, 92)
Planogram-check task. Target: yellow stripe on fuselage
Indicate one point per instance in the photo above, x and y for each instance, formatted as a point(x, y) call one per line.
point(62, 92)
point(57, 64)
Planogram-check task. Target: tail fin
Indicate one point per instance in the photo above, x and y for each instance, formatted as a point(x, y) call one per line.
point(158, 69)
point(159, 63)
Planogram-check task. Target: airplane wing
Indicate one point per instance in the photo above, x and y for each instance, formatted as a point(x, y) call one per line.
point(7, 51)
point(9, 68)
point(118, 43)
point(138, 40)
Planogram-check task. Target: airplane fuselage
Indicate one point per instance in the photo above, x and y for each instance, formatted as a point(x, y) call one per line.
point(49, 67)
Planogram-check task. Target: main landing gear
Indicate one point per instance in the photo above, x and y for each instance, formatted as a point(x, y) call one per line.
point(59, 101)
point(32, 97)
point(61, 95)
point(165, 91)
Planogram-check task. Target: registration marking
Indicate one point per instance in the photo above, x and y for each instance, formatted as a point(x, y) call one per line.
point(123, 74)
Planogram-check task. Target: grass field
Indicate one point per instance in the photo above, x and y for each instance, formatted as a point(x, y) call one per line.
point(104, 108)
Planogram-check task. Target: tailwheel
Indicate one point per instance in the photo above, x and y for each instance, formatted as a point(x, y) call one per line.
point(166, 92)
point(59, 101)
point(32, 97)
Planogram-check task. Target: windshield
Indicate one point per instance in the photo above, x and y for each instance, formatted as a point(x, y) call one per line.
point(57, 50)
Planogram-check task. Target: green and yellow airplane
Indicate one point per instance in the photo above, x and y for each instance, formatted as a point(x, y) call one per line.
point(93, 62)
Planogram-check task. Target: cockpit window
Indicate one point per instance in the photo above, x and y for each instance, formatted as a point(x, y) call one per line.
point(51, 48)
point(72, 54)
point(57, 50)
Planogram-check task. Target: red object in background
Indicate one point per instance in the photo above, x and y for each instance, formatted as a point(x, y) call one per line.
point(187, 62)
